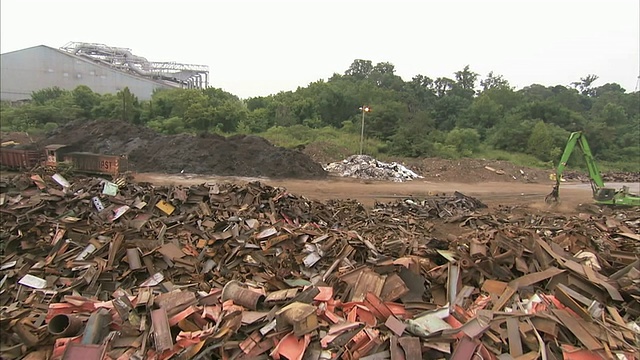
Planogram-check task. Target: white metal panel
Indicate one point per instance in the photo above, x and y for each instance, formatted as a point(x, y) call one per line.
point(40, 67)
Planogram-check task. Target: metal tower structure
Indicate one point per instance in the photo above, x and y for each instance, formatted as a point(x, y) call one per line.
point(185, 75)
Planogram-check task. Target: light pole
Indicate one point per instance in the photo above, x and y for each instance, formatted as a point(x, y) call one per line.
point(364, 110)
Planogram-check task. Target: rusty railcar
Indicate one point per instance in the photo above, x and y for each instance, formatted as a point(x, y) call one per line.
point(19, 159)
point(56, 155)
point(85, 162)
point(96, 163)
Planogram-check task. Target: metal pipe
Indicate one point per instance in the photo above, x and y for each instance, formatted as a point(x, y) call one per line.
point(64, 325)
point(241, 296)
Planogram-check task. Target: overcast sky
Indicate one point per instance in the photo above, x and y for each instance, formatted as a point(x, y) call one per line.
point(263, 47)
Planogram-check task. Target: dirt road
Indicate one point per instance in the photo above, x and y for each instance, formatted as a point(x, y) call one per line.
point(367, 192)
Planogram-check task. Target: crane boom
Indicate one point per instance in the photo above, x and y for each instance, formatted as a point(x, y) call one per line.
point(601, 194)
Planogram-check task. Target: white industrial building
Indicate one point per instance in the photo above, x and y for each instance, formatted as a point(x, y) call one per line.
point(102, 68)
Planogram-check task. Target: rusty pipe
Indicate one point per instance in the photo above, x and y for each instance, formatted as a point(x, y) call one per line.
point(241, 296)
point(64, 325)
point(466, 263)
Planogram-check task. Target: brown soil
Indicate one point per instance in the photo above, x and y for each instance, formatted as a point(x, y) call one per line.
point(494, 194)
point(204, 154)
point(252, 156)
point(443, 170)
point(326, 152)
point(19, 137)
point(476, 170)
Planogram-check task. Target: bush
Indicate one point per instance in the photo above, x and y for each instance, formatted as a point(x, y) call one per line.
point(296, 135)
point(464, 141)
point(50, 126)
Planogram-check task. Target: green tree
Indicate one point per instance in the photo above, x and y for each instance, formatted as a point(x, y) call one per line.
point(413, 137)
point(109, 107)
point(482, 115)
point(256, 121)
point(130, 106)
point(259, 102)
point(511, 134)
point(86, 100)
point(494, 82)
point(614, 115)
point(170, 126)
point(465, 83)
point(421, 117)
point(540, 142)
point(229, 114)
point(585, 84)
point(442, 86)
point(419, 93)
point(218, 96)
point(333, 105)
point(360, 69)
point(465, 141)
point(199, 116)
point(384, 118)
point(551, 112)
point(41, 97)
point(505, 97)
point(447, 111)
point(383, 75)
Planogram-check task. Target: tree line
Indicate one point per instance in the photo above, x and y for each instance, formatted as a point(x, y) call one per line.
point(443, 117)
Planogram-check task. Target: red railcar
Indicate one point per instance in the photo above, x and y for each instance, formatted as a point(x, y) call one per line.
point(97, 164)
point(55, 155)
point(20, 159)
point(85, 162)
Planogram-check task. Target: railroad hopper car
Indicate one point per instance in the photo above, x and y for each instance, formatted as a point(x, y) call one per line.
point(97, 164)
point(86, 162)
point(20, 159)
point(56, 155)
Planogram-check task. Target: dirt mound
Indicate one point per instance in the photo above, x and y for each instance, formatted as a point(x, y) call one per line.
point(326, 152)
point(444, 170)
point(148, 151)
point(18, 138)
point(475, 170)
point(110, 137)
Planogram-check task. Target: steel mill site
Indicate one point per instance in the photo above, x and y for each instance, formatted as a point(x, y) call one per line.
point(147, 213)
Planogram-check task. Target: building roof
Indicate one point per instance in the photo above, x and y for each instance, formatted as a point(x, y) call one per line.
point(95, 63)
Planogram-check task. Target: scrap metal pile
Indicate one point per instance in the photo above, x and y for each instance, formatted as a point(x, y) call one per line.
point(611, 176)
point(366, 167)
point(94, 269)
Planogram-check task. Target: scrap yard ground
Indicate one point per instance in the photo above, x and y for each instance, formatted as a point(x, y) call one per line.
point(367, 191)
point(273, 258)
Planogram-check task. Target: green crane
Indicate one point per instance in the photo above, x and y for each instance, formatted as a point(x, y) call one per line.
point(601, 194)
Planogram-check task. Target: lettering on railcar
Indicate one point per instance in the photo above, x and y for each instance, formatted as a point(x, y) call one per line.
point(91, 163)
point(106, 165)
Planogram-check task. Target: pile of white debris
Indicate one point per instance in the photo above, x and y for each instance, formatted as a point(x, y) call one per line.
point(366, 167)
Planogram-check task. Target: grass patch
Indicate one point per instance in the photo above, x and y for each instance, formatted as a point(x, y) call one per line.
point(519, 159)
point(627, 166)
point(294, 136)
point(531, 161)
